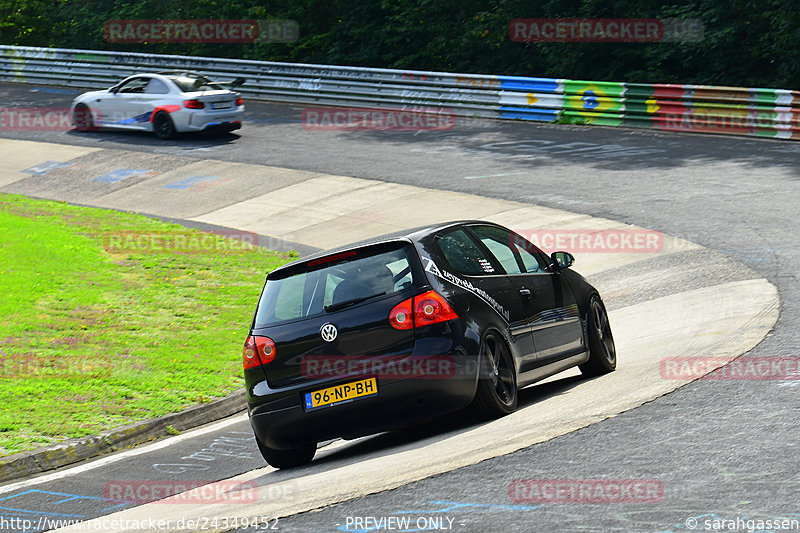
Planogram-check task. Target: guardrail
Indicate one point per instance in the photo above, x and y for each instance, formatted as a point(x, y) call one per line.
point(694, 108)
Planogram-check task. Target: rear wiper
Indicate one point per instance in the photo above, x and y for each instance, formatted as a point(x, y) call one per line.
point(346, 303)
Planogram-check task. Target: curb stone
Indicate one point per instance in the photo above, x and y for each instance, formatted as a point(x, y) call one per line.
point(32, 462)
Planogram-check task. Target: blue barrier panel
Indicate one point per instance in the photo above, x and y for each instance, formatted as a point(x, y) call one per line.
point(519, 83)
point(527, 113)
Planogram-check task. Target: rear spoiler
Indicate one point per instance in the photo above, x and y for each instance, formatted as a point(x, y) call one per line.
point(330, 257)
point(233, 83)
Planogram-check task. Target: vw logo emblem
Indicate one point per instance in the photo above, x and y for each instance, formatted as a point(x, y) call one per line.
point(328, 332)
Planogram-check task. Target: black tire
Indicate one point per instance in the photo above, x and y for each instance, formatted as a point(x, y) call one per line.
point(163, 126)
point(82, 117)
point(497, 393)
point(602, 352)
point(300, 455)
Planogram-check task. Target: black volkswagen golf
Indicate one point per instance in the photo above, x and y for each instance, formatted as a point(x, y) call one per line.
point(398, 329)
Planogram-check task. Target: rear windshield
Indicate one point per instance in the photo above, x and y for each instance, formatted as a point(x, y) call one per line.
point(190, 84)
point(329, 287)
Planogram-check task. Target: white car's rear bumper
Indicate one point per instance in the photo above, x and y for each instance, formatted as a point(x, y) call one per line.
point(201, 119)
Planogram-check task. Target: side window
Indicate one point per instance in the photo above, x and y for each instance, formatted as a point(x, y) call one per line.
point(332, 282)
point(531, 256)
point(463, 254)
point(499, 242)
point(156, 87)
point(289, 300)
point(401, 271)
point(136, 85)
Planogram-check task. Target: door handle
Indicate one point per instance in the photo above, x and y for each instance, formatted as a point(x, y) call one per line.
point(525, 292)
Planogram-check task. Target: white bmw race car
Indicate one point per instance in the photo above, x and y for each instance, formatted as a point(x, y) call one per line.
point(165, 104)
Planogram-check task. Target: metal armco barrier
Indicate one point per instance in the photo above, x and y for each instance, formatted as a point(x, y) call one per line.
point(692, 108)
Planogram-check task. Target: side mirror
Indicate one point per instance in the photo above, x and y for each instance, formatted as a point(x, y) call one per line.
point(113, 90)
point(562, 259)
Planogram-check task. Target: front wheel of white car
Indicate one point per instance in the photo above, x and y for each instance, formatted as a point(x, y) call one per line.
point(82, 118)
point(163, 126)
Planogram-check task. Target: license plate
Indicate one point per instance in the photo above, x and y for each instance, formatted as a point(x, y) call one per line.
point(221, 105)
point(341, 393)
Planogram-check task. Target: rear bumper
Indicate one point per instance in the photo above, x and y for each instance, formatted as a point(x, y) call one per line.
point(205, 120)
point(278, 417)
point(223, 126)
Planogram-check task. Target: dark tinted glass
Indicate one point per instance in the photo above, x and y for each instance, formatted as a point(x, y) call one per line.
point(463, 254)
point(320, 290)
point(499, 243)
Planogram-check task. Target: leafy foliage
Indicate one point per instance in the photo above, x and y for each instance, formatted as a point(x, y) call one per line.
point(746, 42)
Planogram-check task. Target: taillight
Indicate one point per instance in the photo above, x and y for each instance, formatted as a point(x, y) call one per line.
point(428, 308)
point(193, 104)
point(239, 101)
point(257, 351)
point(400, 315)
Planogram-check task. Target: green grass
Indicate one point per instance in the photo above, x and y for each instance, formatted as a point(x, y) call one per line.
point(98, 329)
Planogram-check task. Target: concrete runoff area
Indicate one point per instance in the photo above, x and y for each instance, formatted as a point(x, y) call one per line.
point(33, 157)
point(212, 185)
point(727, 318)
